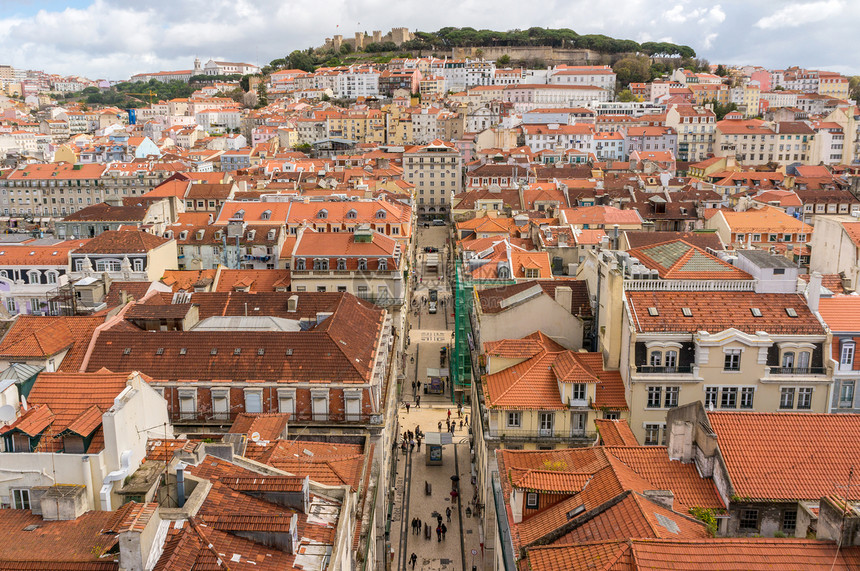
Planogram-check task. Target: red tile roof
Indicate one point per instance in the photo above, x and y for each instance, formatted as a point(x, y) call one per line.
point(841, 313)
point(800, 457)
point(719, 554)
point(76, 401)
point(122, 242)
point(61, 542)
point(330, 464)
point(679, 259)
point(254, 280)
point(615, 432)
point(718, 311)
point(266, 426)
point(33, 337)
point(491, 299)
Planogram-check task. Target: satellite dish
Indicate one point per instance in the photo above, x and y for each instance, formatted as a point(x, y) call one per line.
point(255, 436)
point(7, 413)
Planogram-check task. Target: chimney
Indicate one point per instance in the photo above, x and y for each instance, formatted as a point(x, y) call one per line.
point(564, 297)
point(293, 303)
point(663, 498)
point(136, 541)
point(615, 236)
point(813, 292)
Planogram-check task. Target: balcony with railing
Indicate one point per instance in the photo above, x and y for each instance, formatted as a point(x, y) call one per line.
point(783, 374)
point(552, 434)
point(209, 418)
point(670, 373)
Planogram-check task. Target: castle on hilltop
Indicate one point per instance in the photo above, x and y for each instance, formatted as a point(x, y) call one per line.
point(396, 35)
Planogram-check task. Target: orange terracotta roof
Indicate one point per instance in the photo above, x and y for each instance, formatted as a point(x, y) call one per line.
point(63, 543)
point(185, 280)
point(729, 554)
point(852, 229)
point(266, 426)
point(679, 259)
point(615, 432)
point(841, 313)
point(804, 457)
point(766, 219)
point(719, 311)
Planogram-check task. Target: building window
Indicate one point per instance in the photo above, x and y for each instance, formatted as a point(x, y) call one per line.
point(733, 360)
point(711, 394)
point(789, 521)
point(748, 519)
point(514, 419)
point(671, 361)
point(656, 358)
point(654, 394)
point(747, 394)
point(300, 263)
point(138, 265)
point(21, 499)
point(804, 398)
point(672, 396)
point(341, 264)
point(546, 423)
point(786, 397)
point(532, 500)
point(846, 394)
point(846, 356)
point(652, 434)
point(729, 397)
point(578, 391)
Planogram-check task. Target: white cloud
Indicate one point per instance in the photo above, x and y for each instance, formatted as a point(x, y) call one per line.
point(709, 41)
point(795, 15)
point(715, 16)
point(675, 14)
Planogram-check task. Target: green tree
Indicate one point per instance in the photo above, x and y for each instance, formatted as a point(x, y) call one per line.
point(245, 83)
point(301, 60)
point(262, 94)
point(504, 60)
point(721, 71)
point(854, 87)
point(632, 69)
point(345, 48)
point(626, 95)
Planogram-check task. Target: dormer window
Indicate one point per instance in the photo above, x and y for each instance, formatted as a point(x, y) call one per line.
point(352, 214)
point(218, 234)
point(341, 263)
point(322, 213)
point(362, 264)
point(183, 235)
point(240, 214)
point(320, 263)
point(270, 235)
point(267, 215)
point(383, 264)
point(251, 234)
point(380, 214)
point(199, 235)
point(300, 263)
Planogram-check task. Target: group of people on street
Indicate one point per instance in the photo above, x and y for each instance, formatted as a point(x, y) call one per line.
point(411, 439)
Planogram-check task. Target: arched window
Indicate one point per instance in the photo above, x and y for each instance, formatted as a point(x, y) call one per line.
point(383, 264)
point(322, 213)
point(362, 264)
point(380, 214)
point(352, 214)
point(300, 263)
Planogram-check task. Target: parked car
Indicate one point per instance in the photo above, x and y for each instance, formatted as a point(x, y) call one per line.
point(438, 222)
point(431, 307)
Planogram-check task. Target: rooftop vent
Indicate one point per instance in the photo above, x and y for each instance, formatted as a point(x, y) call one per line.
point(237, 350)
point(159, 351)
point(183, 351)
point(126, 351)
point(214, 351)
point(261, 351)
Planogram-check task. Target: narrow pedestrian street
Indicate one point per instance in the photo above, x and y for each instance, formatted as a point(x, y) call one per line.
point(429, 493)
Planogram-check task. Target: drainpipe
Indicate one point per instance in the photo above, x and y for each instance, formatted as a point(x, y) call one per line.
point(114, 476)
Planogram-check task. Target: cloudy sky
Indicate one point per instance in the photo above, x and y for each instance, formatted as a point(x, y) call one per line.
point(117, 38)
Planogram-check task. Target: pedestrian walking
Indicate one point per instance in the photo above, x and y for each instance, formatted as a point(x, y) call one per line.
point(407, 408)
point(449, 414)
point(439, 519)
point(413, 559)
point(459, 411)
point(417, 430)
point(419, 444)
point(453, 426)
point(447, 425)
point(461, 425)
point(411, 445)
point(448, 513)
point(439, 534)
point(413, 387)
point(444, 530)
point(415, 525)
point(418, 401)
point(467, 420)
point(440, 426)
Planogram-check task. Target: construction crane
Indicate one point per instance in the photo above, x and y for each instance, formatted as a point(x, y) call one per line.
point(132, 113)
